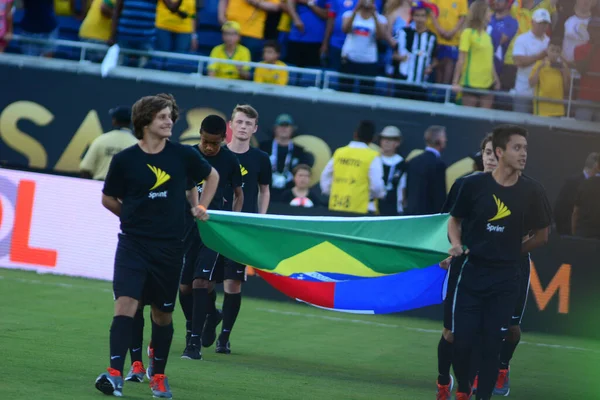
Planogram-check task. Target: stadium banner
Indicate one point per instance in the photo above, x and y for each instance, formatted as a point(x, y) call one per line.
point(54, 224)
point(43, 128)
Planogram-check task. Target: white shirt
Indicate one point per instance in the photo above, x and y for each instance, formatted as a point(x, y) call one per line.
point(360, 45)
point(527, 45)
point(376, 184)
point(390, 162)
point(576, 34)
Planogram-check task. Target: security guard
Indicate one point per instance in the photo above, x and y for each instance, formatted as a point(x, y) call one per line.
point(354, 176)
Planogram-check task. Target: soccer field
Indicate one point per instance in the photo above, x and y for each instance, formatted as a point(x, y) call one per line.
point(54, 342)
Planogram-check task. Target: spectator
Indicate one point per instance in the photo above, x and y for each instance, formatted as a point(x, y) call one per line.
point(426, 175)
point(271, 53)
point(394, 175)
point(334, 35)
point(550, 78)
point(284, 27)
point(39, 22)
point(503, 29)
point(586, 213)
point(96, 161)
point(417, 53)
point(399, 15)
point(565, 202)
point(307, 33)
point(6, 23)
point(529, 48)
point(475, 66)
point(363, 26)
point(576, 33)
point(96, 26)
point(301, 194)
point(251, 15)
point(354, 176)
point(176, 26)
point(232, 50)
point(285, 155)
point(447, 26)
point(587, 61)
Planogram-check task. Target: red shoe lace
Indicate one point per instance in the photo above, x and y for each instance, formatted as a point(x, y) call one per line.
point(113, 372)
point(502, 375)
point(443, 392)
point(158, 383)
point(138, 368)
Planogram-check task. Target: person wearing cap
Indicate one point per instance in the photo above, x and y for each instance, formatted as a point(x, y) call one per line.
point(354, 176)
point(285, 155)
point(97, 159)
point(231, 50)
point(530, 48)
point(587, 62)
point(394, 175)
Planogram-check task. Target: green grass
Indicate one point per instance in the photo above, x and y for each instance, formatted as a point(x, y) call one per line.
point(54, 342)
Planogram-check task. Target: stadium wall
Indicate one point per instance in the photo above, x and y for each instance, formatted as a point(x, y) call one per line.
point(56, 224)
point(48, 117)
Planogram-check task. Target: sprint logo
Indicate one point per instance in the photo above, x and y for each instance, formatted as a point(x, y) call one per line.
point(243, 170)
point(161, 176)
point(502, 212)
point(200, 186)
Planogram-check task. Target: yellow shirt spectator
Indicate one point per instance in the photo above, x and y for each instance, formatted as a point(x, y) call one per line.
point(172, 22)
point(229, 71)
point(272, 76)
point(251, 19)
point(97, 159)
point(96, 26)
point(450, 13)
point(523, 17)
point(478, 70)
point(285, 23)
point(551, 86)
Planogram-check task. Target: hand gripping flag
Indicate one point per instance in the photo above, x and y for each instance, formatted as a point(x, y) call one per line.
point(360, 265)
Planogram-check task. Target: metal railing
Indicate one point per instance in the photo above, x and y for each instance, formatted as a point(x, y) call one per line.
point(322, 79)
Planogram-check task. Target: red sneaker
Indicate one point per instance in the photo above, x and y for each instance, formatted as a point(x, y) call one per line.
point(444, 392)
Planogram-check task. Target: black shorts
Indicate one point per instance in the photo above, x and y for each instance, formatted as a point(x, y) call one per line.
point(450, 287)
point(204, 263)
point(148, 271)
point(523, 292)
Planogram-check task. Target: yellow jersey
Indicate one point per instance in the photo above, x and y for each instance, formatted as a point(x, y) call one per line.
point(229, 71)
point(478, 70)
point(350, 181)
point(62, 8)
point(550, 85)
point(451, 11)
point(103, 148)
point(285, 23)
point(96, 26)
point(172, 22)
point(251, 19)
point(272, 76)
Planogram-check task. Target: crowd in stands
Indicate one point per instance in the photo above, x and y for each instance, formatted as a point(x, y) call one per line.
point(527, 48)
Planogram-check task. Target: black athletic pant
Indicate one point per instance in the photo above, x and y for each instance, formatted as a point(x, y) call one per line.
point(484, 300)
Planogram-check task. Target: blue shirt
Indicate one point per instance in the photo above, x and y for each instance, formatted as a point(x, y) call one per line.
point(136, 23)
point(38, 16)
point(314, 26)
point(507, 26)
point(338, 8)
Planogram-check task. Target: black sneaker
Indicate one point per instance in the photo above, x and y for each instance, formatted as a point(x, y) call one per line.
point(192, 352)
point(209, 335)
point(223, 348)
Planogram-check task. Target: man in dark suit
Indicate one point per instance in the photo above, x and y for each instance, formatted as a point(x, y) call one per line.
point(426, 179)
point(285, 155)
point(565, 202)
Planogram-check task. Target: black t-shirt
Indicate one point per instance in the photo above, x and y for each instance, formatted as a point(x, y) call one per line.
point(255, 168)
point(588, 221)
point(152, 188)
point(495, 217)
point(230, 176)
point(453, 194)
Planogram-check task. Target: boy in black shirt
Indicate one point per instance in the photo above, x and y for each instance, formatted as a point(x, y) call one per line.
point(487, 223)
point(202, 265)
point(255, 167)
point(145, 187)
